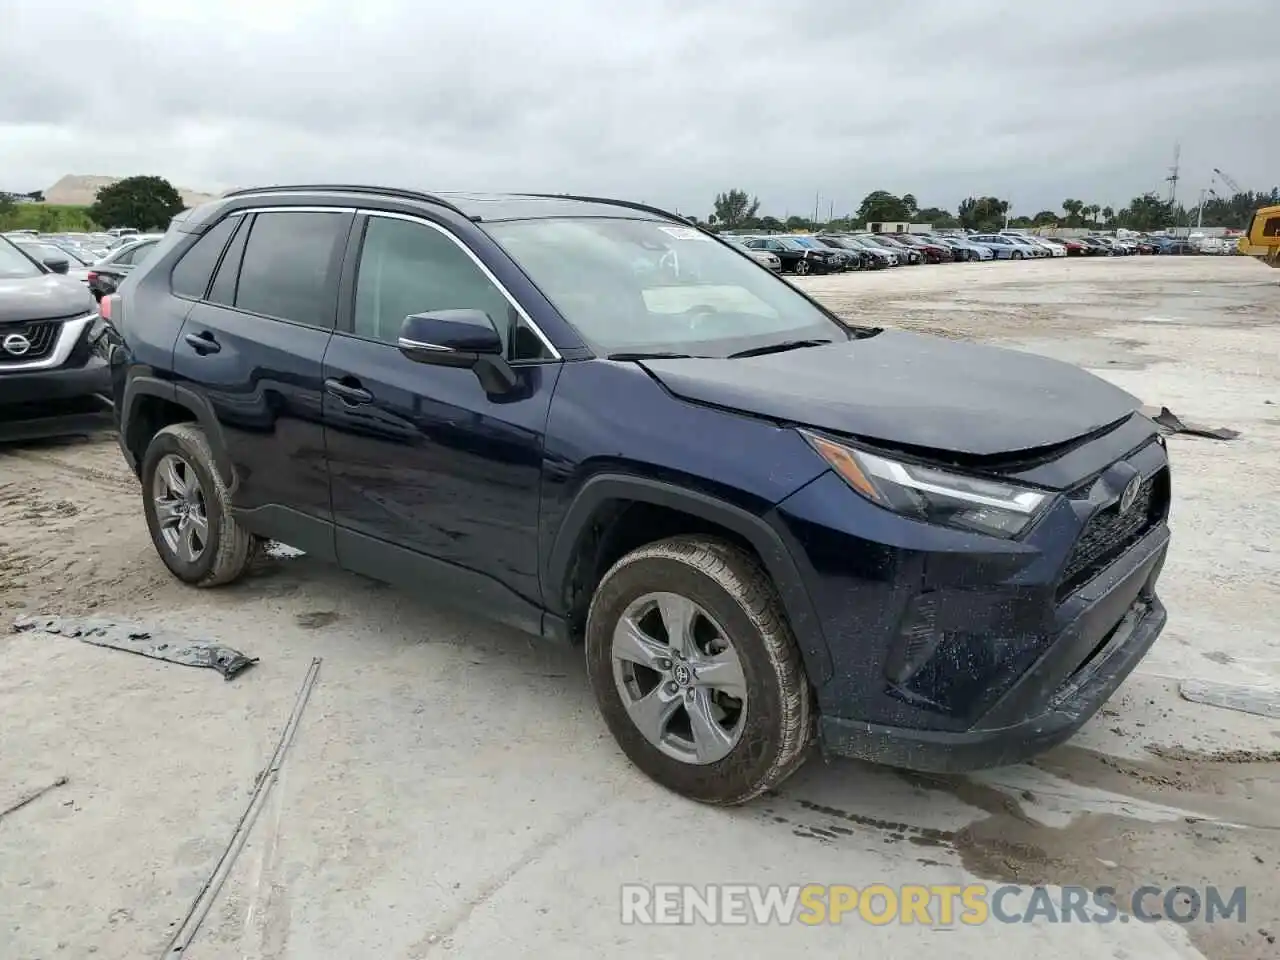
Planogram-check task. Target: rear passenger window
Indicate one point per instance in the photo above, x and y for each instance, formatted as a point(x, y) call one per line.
point(290, 266)
point(193, 272)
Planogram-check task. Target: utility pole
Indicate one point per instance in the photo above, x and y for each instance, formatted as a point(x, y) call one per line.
point(1173, 177)
point(817, 198)
point(1200, 211)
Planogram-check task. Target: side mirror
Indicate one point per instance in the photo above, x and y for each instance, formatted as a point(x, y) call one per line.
point(459, 338)
point(58, 265)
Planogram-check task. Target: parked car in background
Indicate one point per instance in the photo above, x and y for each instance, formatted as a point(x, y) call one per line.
point(844, 259)
point(763, 526)
point(964, 248)
point(797, 258)
point(1073, 247)
point(908, 255)
point(1095, 247)
point(763, 257)
point(52, 257)
point(1006, 247)
point(867, 259)
point(883, 256)
point(1169, 246)
point(105, 275)
point(1038, 248)
point(1117, 248)
point(1055, 247)
point(52, 374)
point(930, 250)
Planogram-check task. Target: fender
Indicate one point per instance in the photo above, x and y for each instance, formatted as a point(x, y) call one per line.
point(755, 530)
point(146, 386)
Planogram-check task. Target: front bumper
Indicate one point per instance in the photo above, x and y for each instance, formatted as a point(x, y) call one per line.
point(32, 387)
point(949, 650)
point(1117, 628)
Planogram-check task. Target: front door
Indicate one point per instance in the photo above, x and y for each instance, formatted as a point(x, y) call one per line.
point(435, 484)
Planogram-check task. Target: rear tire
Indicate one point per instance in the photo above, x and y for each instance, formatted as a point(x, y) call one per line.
point(733, 611)
point(1017, 255)
point(188, 509)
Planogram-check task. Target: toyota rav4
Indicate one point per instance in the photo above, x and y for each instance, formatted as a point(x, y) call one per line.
point(593, 421)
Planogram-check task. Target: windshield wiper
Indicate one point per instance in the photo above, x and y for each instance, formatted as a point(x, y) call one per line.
point(778, 348)
point(654, 355)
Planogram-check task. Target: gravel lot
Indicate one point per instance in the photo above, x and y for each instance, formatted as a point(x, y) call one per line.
point(451, 791)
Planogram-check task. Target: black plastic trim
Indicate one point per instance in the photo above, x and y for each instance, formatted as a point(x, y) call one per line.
point(602, 488)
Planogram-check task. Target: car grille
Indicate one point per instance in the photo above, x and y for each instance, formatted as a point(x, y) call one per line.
point(1109, 533)
point(41, 336)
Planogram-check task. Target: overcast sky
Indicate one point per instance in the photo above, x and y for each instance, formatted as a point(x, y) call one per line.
point(668, 101)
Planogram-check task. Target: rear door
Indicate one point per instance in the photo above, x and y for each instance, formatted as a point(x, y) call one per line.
point(435, 482)
point(253, 346)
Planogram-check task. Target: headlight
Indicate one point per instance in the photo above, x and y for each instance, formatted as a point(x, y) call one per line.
point(936, 496)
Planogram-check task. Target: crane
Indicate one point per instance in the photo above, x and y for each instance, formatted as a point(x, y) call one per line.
point(1228, 180)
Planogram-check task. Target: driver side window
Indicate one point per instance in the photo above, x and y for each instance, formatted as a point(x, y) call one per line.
point(408, 268)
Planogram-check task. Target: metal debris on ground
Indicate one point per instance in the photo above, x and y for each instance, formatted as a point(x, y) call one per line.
point(1261, 701)
point(1169, 423)
point(34, 795)
point(158, 645)
point(201, 905)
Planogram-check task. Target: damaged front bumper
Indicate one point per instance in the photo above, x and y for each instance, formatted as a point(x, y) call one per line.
point(1115, 620)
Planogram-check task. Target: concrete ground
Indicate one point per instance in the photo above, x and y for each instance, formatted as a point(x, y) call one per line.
point(451, 791)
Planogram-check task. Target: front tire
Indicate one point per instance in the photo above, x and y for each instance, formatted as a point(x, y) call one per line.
point(696, 671)
point(801, 268)
point(188, 509)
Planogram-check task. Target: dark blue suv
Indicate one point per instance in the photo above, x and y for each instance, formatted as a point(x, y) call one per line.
point(593, 421)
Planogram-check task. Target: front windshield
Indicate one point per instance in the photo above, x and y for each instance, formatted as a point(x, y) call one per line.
point(45, 251)
point(646, 286)
point(14, 265)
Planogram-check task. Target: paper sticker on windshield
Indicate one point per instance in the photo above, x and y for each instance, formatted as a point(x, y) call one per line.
point(684, 233)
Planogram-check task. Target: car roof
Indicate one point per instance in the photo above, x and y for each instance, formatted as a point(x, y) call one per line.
point(480, 207)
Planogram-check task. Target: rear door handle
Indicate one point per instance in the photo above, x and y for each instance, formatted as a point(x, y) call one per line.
point(349, 392)
point(202, 343)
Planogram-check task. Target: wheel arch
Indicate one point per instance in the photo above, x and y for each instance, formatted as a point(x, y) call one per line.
point(149, 404)
point(589, 534)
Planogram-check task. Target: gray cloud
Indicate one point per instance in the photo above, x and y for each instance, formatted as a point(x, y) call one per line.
point(668, 102)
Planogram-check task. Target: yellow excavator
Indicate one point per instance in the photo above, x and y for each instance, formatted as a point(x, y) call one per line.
point(1262, 241)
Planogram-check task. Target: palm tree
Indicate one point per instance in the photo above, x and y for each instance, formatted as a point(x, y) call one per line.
point(1108, 214)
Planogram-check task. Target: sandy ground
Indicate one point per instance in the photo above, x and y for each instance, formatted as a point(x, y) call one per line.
point(451, 791)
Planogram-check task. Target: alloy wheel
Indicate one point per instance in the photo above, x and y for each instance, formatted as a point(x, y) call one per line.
point(181, 510)
point(679, 677)
point(802, 267)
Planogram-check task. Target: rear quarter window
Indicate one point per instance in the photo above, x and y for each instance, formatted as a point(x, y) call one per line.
point(194, 271)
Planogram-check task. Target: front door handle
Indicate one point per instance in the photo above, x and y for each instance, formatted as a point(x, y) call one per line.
point(348, 391)
point(202, 343)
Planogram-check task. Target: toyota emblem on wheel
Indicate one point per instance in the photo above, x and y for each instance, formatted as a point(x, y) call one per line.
point(16, 344)
point(1130, 494)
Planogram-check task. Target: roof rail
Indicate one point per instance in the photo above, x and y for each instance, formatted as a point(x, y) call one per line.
point(350, 188)
point(617, 203)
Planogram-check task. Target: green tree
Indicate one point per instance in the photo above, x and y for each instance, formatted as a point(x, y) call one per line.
point(1108, 214)
point(881, 206)
point(937, 217)
point(7, 206)
point(772, 224)
point(1045, 218)
point(148, 203)
point(983, 213)
point(909, 201)
point(798, 223)
point(1072, 208)
point(734, 209)
point(1147, 212)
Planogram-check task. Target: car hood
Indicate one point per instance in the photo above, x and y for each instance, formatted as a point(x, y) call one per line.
point(910, 389)
point(44, 297)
